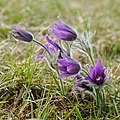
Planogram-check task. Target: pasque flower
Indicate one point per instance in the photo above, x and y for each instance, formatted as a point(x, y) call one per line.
point(82, 84)
point(20, 34)
point(98, 74)
point(52, 45)
point(68, 66)
point(63, 31)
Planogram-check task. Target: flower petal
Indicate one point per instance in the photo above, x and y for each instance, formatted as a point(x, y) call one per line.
point(73, 68)
point(20, 34)
point(79, 77)
point(65, 28)
point(40, 57)
point(88, 78)
point(69, 65)
point(62, 68)
point(100, 81)
point(63, 35)
point(50, 48)
point(53, 43)
point(99, 68)
point(62, 62)
point(63, 31)
point(106, 77)
point(93, 73)
point(64, 75)
point(67, 58)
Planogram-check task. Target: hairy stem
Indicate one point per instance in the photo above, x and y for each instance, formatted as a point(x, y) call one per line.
point(42, 46)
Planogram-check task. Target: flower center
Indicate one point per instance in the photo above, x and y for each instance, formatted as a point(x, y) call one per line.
point(98, 78)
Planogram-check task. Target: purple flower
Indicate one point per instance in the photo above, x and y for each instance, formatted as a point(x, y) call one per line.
point(82, 84)
point(78, 78)
point(20, 34)
point(97, 74)
point(68, 66)
point(40, 57)
point(63, 31)
point(52, 45)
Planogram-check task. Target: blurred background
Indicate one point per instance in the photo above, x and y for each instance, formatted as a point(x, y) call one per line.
point(39, 15)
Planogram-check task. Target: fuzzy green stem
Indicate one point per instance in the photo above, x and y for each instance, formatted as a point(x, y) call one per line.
point(42, 46)
point(62, 87)
point(88, 50)
point(91, 58)
point(100, 98)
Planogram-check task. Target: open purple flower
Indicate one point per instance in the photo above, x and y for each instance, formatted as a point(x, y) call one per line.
point(63, 31)
point(98, 74)
point(52, 45)
point(20, 34)
point(68, 66)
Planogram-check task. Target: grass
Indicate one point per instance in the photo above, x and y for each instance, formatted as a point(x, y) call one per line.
point(28, 89)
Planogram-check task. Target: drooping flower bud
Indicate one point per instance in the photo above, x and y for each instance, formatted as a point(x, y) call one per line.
point(52, 45)
point(68, 66)
point(22, 35)
point(81, 84)
point(63, 31)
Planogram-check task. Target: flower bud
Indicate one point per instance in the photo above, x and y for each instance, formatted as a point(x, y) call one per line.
point(68, 66)
point(63, 31)
point(22, 35)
